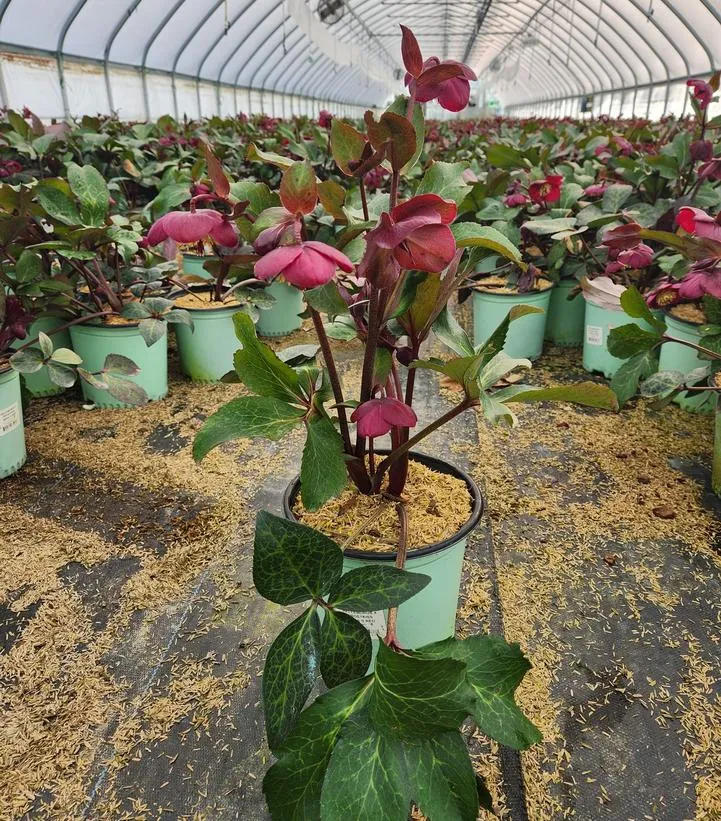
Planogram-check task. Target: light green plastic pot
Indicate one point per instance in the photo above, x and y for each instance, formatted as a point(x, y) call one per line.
point(283, 318)
point(206, 350)
point(676, 357)
point(564, 326)
point(12, 429)
point(39, 383)
point(525, 335)
point(193, 265)
point(599, 321)
point(94, 342)
point(431, 614)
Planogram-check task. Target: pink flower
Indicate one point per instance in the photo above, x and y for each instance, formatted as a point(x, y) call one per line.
point(702, 92)
point(598, 189)
point(545, 191)
point(306, 265)
point(325, 118)
point(194, 226)
point(701, 150)
point(624, 146)
point(698, 222)
point(704, 277)
point(447, 81)
point(515, 199)
point(377, 416)
point(417, 233)
point(640, 256)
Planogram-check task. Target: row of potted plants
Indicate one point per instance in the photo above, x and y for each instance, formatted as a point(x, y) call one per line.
point(368, 232)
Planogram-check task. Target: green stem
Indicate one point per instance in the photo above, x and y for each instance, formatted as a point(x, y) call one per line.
point(700, 348)
point(391, 638)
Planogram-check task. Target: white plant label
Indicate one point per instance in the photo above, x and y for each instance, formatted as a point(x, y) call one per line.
point(594, 335)
point(9, 418)
point(374, 623)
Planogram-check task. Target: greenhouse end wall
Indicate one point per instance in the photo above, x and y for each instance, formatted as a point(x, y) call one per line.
point(33, 80)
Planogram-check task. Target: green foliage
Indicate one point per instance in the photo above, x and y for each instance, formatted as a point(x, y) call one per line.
point(372, 745)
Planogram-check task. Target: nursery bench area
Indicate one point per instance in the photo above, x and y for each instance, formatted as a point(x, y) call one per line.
point(132, 636)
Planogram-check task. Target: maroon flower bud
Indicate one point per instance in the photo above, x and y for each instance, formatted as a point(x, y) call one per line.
point(701, 150)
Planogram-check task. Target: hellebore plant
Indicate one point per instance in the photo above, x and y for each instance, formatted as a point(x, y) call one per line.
point(63, 255)
point(700, 386)
point(376, 744)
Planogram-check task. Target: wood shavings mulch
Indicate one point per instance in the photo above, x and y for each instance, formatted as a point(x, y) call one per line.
point(576, 481)
point(438, 505)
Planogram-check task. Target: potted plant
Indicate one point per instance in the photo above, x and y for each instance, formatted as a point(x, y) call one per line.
point(206, 347)
point(683, 303)
point(65, 226)
point(22, 354)
point(414, 255)
point(29, 279)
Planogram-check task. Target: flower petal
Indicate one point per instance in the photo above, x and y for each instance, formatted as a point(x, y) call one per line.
point(370, 420)
point(338, 257)
point(426, 205)
point(225, 234)
point(309, 269)
point(275, 261)
point(455, 94)
point(430, 249)
point(398, 413)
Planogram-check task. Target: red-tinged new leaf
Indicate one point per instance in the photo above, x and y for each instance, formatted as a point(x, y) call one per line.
point(411, 51)
point(298, 188)
point(439, 74)
point(347, 145)
point(221, 186)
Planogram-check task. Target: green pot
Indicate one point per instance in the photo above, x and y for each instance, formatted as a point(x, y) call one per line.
point(94, 342)
point(431, 614)
point(525, 335)
point(283, 318)
point(206, 350)
point(599, 321)
point(38, 383)
point(193, 265)
point(564, 326)
point(676, 357)
point(12, 429)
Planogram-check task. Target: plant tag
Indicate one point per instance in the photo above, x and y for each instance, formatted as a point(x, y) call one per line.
point(9, 418)
point(594, 335)
point(374, 623)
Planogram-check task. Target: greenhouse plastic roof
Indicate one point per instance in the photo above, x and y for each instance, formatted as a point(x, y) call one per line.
point(525, 50)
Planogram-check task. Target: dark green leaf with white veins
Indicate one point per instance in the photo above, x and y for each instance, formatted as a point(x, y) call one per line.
point(291, 669)
point(365, 777)
point(292, 786)
point(625, 381)
point(493, 671)
point(246, 418)
point(292, 562)
point(323, 469)
point(440, 778)
point(124, 390)
point(345, 648)
point(628, 340)
point(369, 588)
point(414, 697)
point(259, 368)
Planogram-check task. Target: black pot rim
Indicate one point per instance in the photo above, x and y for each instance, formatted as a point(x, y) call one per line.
point(433, 462)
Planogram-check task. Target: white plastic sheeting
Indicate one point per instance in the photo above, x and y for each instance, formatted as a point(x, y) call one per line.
point(144, 58)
